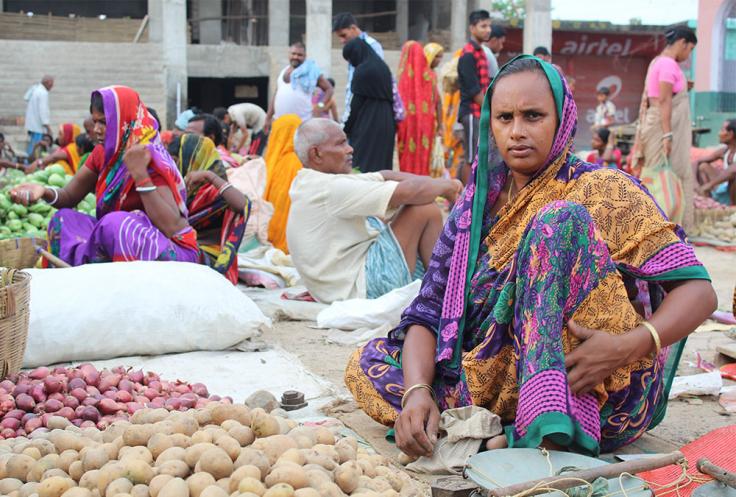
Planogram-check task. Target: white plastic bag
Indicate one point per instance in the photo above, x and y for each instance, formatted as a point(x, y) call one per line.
point(355, 314)
point(101, 311)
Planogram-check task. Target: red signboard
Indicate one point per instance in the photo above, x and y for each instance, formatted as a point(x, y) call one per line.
point(618, 61)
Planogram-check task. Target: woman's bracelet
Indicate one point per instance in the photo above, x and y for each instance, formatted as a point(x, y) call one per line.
point(145, 189)
point(224, 188)
point(56, 195)
point(655, 336)
point(417, 387)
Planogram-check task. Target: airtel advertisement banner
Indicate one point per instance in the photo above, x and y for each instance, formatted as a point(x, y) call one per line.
point(593, 59)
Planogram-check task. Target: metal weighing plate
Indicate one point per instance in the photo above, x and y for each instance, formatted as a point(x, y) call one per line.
point(510, 466)
point(714, 489)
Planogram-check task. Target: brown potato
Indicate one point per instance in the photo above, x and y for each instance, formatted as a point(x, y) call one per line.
point(118, 486)
point(157, 483)
point(176, 468)
point(246, 471)
point(280, 490)
point(198, 482)
point(176, 487)
point(292, 474)
point(158, 443)
point(18, 466)
point(55, 486)
point(253, 457)
point(171, 454)
point(252, 485)
point(217, 463)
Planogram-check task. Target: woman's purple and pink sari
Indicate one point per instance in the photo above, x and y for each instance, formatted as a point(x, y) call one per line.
point(578, 241)
point(122, 231)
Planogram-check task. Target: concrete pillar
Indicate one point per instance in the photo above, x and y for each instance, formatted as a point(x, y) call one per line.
point(155, 21)
point(319, 33)
point(210, 32)
point(174, 50)
point(278, 23)
point(402, 20)
point(459, 23)
point(538, 25)
point(434, 11)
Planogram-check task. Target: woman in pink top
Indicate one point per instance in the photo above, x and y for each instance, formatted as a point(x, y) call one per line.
point(664, 117)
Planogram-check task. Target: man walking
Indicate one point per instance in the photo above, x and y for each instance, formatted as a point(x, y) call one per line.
point(473, 79)
point(493, 49)
point(296, 84)
point(37, 111)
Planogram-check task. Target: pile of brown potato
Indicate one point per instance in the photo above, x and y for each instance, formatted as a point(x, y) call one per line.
point(220, 450)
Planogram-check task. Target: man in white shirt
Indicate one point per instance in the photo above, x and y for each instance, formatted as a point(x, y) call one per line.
point(244, 119)
point(37, 111)
point(358, 235)
point(295, 86)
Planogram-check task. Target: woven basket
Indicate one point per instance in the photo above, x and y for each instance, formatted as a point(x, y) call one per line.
point(20, 253)
point(15, 296)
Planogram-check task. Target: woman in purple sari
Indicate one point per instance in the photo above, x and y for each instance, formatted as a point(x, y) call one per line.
point(529, 304)
point(141, 211)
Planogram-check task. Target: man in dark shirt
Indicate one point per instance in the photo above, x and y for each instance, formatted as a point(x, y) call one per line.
point(473, 79)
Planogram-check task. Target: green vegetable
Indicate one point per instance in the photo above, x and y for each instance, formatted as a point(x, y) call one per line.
point(39, 207)
point(56, 169)
point(35, 219)
point(12, 215)
point(56, 180)
point(19, 209)
point(14, 225)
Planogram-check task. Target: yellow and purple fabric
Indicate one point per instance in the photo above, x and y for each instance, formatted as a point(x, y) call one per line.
point(499, 291)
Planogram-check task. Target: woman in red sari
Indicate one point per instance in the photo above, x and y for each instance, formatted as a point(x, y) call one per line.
point(417, 87)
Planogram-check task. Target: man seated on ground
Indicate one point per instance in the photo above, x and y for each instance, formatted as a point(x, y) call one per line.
point(358, 235)
point(720, 182)
point(8, 158)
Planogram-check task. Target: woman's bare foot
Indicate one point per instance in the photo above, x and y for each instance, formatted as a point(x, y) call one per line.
point(497, 442)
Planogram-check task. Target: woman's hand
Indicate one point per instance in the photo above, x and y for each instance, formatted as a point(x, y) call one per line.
point(197, 178)
point(27, 194)
point(417, 425)
point(595, 359)
point(136, 159)
point(667, 144)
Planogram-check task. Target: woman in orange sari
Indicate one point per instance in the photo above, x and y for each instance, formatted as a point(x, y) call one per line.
point(450, 105)
point(67, 155)
point(415, 135)
point(282, 164)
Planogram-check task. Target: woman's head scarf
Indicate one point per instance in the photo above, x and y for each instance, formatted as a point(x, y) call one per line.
point(431, 51)
point(372, 77)
point(129, 123)
point(67, 133)
point(198, 153)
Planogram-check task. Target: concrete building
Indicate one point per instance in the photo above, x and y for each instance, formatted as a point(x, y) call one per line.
point(203, 53)
point(714, 93)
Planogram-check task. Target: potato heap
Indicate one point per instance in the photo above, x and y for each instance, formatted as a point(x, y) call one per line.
point(220, 450)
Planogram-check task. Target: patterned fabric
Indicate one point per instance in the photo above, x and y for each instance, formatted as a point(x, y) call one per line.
point(415, 135)
point(499, 291)
point(67, 134)
point(129, 123)
point(120, 236)
point(386, 268)
point(208, 210)
point(431, 51)
point(481, 66)
point(282, 164)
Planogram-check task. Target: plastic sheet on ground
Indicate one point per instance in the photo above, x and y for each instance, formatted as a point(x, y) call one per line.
point(267, 266)
point(238, 374)
point(365, 314)
point(697, 384)
point(271, 303)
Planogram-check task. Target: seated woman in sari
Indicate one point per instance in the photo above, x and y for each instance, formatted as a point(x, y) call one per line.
point(141, 211)
point(524, 308)
point(217, 210)
point(67, 154)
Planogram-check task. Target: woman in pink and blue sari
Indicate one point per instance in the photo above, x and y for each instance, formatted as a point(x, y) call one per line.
point(141, 210)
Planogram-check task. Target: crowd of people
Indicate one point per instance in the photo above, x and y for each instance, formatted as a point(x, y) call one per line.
point(554, 294)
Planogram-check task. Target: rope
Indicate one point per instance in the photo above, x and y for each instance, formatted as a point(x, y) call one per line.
point(681, 482)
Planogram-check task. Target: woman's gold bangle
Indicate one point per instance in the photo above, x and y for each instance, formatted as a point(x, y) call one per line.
point(655, 336)
point(417, 387)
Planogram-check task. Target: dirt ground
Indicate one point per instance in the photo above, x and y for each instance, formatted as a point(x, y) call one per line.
point(685, 421)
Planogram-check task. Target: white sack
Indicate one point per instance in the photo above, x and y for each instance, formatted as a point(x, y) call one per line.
point(354, 314)
point(697, 384)
point(101, 311)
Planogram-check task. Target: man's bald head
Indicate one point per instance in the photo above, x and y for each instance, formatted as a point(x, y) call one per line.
point(48, 82)
point(322, 145)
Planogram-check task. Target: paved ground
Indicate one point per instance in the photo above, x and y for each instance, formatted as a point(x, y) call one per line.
point(684, 421)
